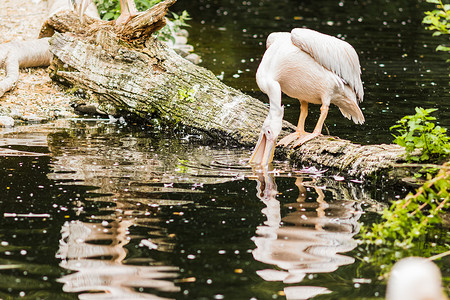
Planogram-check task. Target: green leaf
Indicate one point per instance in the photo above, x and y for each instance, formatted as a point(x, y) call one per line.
point(442, 48)
point(108, 16)
point(418, 132)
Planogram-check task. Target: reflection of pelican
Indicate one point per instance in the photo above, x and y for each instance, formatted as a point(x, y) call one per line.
point(314, 68)
point(297, 247)
point(110, 279)
point(415, 278)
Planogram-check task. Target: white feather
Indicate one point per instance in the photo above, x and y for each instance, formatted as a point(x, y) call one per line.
point(332, 53)
point(274, 36)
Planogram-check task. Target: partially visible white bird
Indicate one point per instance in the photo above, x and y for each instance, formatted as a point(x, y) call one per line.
point(415, 278)
point(314, 68)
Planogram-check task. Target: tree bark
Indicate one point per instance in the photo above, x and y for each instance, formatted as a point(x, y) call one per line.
point(148, 80)
point(349, 159)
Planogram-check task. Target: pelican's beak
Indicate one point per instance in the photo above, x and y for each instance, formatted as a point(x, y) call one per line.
point(263, 152)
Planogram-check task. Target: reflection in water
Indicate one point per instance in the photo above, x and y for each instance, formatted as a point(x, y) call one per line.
point(107, 279)
point(306, 240)
point(137, 184)
point(173, 222)
point(14, 140)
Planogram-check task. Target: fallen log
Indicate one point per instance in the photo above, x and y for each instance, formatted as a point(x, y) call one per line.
point(143, 78)
point(350, 159)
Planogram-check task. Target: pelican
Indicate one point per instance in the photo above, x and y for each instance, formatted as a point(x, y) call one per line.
point(415, 278)
point(127, 9)
point(314, 68)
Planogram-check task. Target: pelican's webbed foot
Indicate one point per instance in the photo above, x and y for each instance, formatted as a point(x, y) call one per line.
point(297, 138)
point(290, 138)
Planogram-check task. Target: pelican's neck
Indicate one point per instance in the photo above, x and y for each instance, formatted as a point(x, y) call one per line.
point(276, 111)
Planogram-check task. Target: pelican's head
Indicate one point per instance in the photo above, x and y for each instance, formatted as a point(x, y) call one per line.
point(265, 147)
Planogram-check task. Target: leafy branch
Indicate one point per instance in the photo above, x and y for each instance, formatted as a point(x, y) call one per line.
point(409, 224)
point(438, 20)
point(418, 133)
point(412, 226)
point(408, 216)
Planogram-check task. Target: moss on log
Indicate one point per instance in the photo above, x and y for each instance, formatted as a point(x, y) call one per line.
point(148, 79)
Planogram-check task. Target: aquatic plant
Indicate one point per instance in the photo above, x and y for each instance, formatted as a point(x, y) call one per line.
point(410, 226)
point(438, 20)
point(418, 133)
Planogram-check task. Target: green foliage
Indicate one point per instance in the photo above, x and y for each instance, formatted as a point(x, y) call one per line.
point(438, 20)
point(412, 226)
point(418, 133)
point(182, 166)
point(187, 95)
point(409, 226)
point(175, 24)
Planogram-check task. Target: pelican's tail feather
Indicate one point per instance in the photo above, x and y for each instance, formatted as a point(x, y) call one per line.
point(353, 112)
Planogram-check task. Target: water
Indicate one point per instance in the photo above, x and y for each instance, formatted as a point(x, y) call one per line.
point(95, 210)
point(92, 208)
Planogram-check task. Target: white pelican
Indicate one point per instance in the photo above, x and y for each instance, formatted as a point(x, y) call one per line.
point(415, 278)
point(314, 68)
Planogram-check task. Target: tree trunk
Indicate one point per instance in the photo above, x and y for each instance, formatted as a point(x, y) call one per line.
point(157, 81)
point(147, 79)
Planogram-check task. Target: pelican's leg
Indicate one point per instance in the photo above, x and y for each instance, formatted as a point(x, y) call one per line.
point(300, 126)
point(317, 130)
point(127, 11)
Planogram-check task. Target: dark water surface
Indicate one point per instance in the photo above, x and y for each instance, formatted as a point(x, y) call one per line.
point(100, 210)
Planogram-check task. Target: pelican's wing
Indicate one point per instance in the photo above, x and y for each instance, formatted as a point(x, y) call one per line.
point(334, 54)
point(275, 36)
